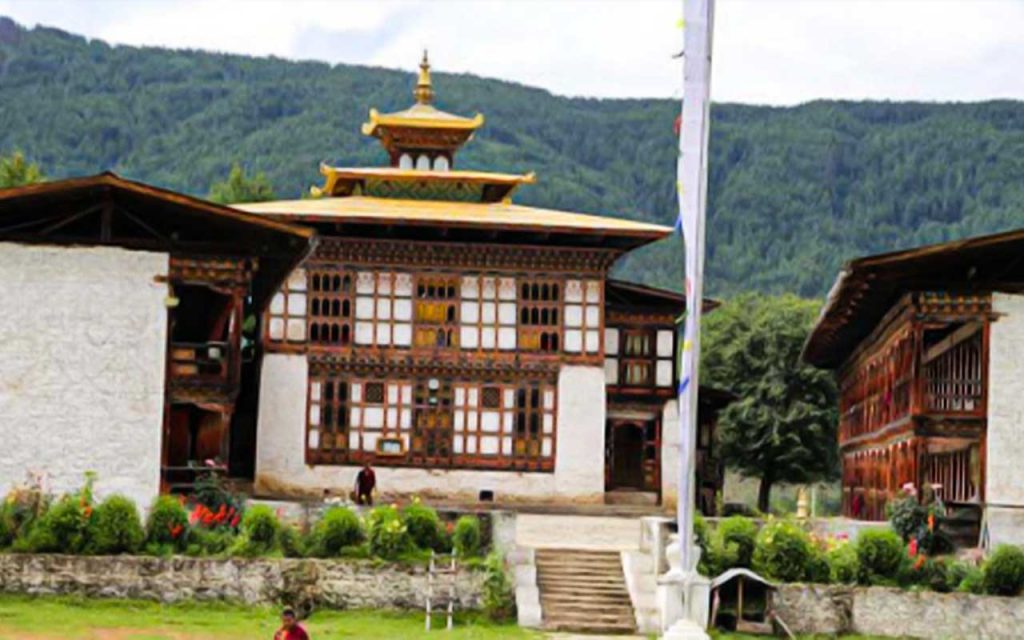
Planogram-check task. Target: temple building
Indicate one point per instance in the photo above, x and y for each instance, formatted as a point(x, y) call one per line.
point(121, 317)
point(928, 349)
point(468, 347)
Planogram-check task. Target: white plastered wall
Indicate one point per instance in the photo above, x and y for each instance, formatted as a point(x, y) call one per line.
point(670, 454)
point(579, 459)
point(83, 335)
point(1004, 471)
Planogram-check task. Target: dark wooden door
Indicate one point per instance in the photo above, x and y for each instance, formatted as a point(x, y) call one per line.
point(627, 456)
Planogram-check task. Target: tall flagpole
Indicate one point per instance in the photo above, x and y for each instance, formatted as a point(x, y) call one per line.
point(691, 176)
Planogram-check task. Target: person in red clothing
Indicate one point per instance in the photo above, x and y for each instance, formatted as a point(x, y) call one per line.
point(366, 482)
point(290, 627)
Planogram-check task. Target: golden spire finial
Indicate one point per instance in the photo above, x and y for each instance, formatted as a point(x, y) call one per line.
point(424, 91)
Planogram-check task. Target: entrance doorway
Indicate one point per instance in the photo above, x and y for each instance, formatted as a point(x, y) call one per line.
point(627, 456)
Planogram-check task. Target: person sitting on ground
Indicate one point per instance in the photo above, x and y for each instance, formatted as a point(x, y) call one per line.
point(366, 482)
point(290, 627)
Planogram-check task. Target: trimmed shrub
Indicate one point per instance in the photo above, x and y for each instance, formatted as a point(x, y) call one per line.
point(166, 526)
point(844, 567)
point(117, 527)
point(783, 551)
point(424, 527)
point(973, 580)
point(718, 556)
point(260, 526)
point(741, 532)
point(466, 538)
point(879, 552)
point(387, 534)
point(338, 528)
point(499, 598)
point(1003, 571)
point(64, 528)
point(291, 541)
point(818, 569)
point(210, 542)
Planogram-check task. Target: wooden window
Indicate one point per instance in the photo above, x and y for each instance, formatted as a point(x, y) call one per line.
point(540, 316)
point(432, 423)
point(286, 315)
point(583, 304)
point(328, 424)
point(437, 307)
point(330, 307)
point(432, 433)
point(383, 309)
point(488, 313)
point(379, 410)
point(639, 357)
point(504, 425)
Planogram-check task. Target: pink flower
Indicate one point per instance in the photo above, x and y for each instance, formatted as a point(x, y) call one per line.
point(912, 548)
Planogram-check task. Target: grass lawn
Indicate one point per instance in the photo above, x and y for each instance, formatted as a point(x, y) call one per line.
point(27, 618)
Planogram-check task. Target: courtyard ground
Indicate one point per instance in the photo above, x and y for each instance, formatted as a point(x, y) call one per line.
point(51, 618)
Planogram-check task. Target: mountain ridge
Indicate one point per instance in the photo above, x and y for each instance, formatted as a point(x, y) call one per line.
point(793, 191)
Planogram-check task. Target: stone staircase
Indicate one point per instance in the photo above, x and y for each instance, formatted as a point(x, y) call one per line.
point(583, 591)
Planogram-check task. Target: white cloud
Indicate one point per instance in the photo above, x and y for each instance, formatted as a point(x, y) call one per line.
point(766, 51)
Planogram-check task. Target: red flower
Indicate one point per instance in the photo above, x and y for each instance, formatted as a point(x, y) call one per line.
point(931, 522)
point(912, 548)
point(175, 530)
point(234, 521)
point(919, 562)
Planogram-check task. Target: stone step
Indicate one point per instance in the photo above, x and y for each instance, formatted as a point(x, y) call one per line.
point(588, 600)
point(583, 590)
point(583, 572)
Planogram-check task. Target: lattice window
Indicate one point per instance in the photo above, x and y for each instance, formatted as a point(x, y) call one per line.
point(510, 425)
point(432, 434)
point(330, 307)
point(583, 302)
point(380, 416)
point(540, 321)
point(383, 309)
point(286, 315)
point(437, 307)
point(328, 424)
point(639, 357)
point(488, 313)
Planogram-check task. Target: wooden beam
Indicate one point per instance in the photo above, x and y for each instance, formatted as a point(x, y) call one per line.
point(72, 218)
point(963, 333)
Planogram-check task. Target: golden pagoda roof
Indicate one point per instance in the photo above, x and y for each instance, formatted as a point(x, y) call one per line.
point(423, 114)
point(369, 210)
point(340, 181)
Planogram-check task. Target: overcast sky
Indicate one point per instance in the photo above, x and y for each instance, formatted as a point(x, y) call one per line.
point(765, 51)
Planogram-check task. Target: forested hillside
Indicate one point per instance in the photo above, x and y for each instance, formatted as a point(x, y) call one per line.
point(794, 191)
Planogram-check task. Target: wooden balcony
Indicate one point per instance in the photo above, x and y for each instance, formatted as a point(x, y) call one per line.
point(202, 361)
point(906, 380)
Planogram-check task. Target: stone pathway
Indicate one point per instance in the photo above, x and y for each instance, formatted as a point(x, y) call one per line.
point(577, 532)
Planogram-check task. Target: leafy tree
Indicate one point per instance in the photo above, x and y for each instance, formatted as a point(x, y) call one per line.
point(240, 188)
point(783, 426)
point(15, 171)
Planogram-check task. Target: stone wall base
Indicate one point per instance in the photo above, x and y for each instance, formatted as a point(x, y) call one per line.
point(890, 612)
point(305, 584)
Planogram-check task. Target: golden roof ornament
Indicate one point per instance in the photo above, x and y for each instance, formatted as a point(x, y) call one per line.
point(424, 91)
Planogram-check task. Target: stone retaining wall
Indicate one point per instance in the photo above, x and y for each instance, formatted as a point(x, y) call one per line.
point(335, 584)
point(890, 612)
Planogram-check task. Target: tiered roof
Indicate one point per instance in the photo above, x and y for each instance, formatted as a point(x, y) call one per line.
point(421, 196)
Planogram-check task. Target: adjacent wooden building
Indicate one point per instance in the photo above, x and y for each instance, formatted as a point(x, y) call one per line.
point(121, 316)
point(927, 345)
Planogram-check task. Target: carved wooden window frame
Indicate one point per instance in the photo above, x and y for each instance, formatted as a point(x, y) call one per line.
point(288, 309)
point(389, 316)
point(330, 306)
